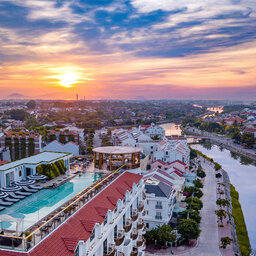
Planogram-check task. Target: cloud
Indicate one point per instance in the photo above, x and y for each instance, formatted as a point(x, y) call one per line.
point(128, 46)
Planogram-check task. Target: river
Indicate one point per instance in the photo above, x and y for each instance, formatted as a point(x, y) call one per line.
point(171, 129)
point(242, 174)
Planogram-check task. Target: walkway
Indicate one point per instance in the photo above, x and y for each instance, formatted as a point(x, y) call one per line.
point(208, 243)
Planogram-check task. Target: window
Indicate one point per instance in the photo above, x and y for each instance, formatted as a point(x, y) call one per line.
point(147, 225)
point(131, 210)
point(166, 152)
point(124, 220)
point(93, 235)
point(19, 173)
point(115, 210)
point(151, 147)
point(159, 205)
point(158, 216)
point(137, 201)
point(115, 232)
point(147, 202)
point(151, 152)
point(105, 221)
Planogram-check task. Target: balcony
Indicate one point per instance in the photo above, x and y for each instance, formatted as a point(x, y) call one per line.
point(140, 241)
point(134, 234)
point(143, 195)
point(119, 237)
point(127, 225)
point(110, 250)
point(134, 215)
point(140, 206)
point(159, 206)
point(140, 224)
point(134, 251)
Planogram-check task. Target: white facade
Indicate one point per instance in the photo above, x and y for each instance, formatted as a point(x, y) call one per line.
point(153, 130)
point(56, 146)
point(170, 151)
point(20, 169)
point(158, 208)
point(104, 235)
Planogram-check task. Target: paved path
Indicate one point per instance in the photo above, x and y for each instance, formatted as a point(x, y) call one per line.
point(208, 243)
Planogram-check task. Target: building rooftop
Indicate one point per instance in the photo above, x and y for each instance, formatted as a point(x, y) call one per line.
point(79, 226)
point(46, 156)
point(116, 150)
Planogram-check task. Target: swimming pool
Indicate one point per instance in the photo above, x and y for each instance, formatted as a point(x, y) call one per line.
point(38, 205)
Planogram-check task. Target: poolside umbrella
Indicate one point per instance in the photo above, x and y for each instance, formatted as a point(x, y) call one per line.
point(3, 195)
point(37, 177)
point(13, 188)
point(25, 182)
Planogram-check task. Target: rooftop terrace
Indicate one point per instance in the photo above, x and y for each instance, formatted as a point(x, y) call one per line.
point(46, 156)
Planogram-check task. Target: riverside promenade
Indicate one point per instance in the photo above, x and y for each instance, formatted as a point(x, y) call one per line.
point(208, 242)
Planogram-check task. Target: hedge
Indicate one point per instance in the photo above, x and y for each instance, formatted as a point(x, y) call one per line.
point(31, 146)
point(23, 147)
point(241, 230)
point(52, 170)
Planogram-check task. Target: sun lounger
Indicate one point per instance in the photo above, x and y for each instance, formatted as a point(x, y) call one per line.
point(5, 203)
point(29, 190)
point(13, 195)
point(23, 193)
point(2, 208)
point(35, 187)
point(9, 199)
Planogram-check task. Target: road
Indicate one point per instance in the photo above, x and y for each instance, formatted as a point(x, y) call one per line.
point(208, 243)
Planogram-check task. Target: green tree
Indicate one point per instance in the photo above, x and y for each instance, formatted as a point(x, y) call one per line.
point(221, 214)
point(225, 241)
point(198, 183)
point(222, 202)
point(162, 235)
point(197, 192)
point(193, 154)
point(191, 214)
point(188, 229)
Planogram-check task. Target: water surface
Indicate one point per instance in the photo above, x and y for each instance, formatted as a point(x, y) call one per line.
point(242, 174)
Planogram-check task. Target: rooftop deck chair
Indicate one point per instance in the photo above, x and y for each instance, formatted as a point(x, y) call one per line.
point(5, 203)
point(13, 195)
point(23, 193)
point(9, 199)
point(29, 190)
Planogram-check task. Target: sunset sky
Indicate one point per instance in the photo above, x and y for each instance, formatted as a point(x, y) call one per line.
point(104, 49)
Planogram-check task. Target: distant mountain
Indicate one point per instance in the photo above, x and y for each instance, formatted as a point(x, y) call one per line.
point(16, 96)
point(140, 98)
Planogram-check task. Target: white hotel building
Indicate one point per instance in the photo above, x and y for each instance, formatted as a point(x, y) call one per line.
point(106, 219)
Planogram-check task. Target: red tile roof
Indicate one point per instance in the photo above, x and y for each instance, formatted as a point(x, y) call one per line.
point(70, 243)
point(3, 162)
point(74, 227)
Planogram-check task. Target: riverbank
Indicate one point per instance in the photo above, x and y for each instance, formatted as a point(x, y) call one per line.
point(224, 142)
point(242, 175)
point(241, 230)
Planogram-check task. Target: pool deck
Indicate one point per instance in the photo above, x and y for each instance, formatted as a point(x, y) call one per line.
point(62, 179)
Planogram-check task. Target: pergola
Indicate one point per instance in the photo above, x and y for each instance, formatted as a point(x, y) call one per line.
point(114, 157)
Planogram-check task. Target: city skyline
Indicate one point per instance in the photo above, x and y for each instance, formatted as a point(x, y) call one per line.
point(125, 49)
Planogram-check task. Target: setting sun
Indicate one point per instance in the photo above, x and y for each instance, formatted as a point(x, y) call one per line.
point(68, 79)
